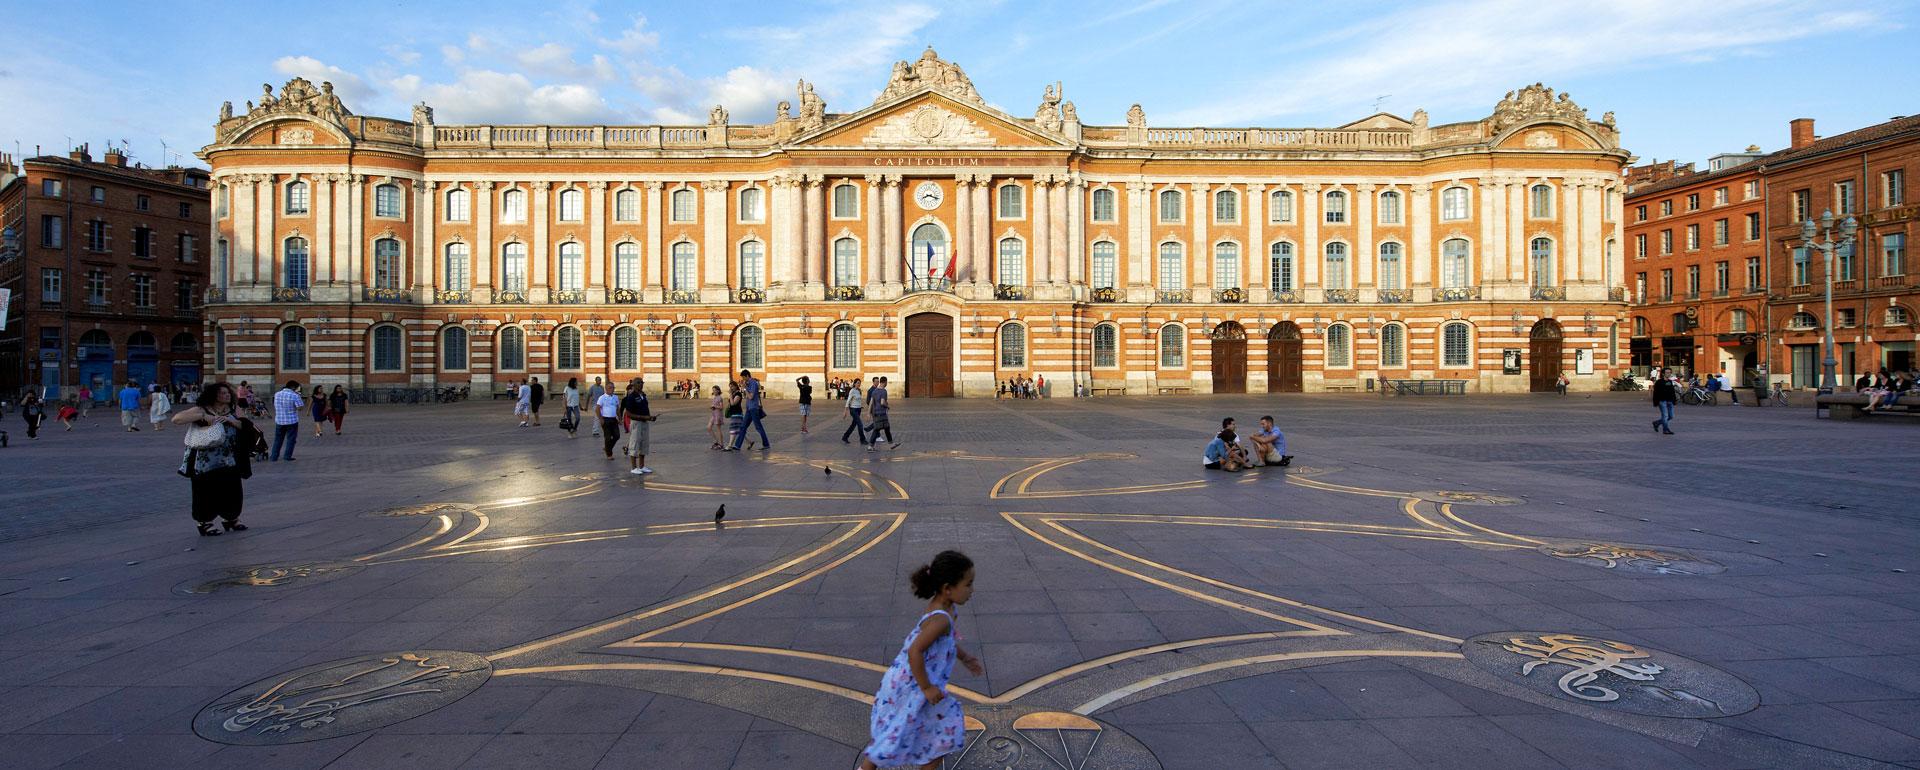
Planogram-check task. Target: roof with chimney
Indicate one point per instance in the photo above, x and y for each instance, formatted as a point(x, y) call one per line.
point(1871, 134)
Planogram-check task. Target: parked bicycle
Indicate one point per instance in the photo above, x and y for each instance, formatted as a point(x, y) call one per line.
point(1626, 382)
point(1779, 396)
point(1698, 395)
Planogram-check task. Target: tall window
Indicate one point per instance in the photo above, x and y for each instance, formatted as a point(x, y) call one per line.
point(1388, 276)
point(1010, 202)
point(571, 203)
point(1843, 198)
point(513, 206)
point(753, 261)
point(846, 346)
point(220, 264)
point(1893, 188)
point(1893, 254)
point(1104, 206)
point(296, 197)
point(1390, 208)
point(846, 262)
point(681, 348)
point(1455, 346)
point(626, 206)
point(1105, 346)
point(1721, 274)
point(1336, 276)
point(96, 287)
point(1693, 237)
point(1753, 226)
point(1720, 232)
point(1453, 204)
point(752, 206)
point(1226, 266)
point(1226, 206)
point(386, 200)
point(1013, 346)
point(1666, 241)
point(1541, 252)
point(927, 251)
point(513, 267)
point(683, 205)
point(1013, 262)
point(683, 258)
point(752, 348)
point(97, 235)
point(1280, 266)
point(50, 285)
point(1453, 263)
point(846, 201)
point(513, 349)
point(1540, 201)
point(626, 348)
point(295, 274)
point(1280, 206)
point(1336, 207)
point(386, 349)
point(1802, 267)
point(1753, 273)
point(142, 290)
point(458, 269)
point(386, 264)
point(572, 266)
point(1339, 345)
point(1843, 263)
point(1737, 320)
point(1105, 264)
point(1171, 208)
point(453, 348)
point(1393, 346)
point(567, 348)
point(459, 206)
point(1173, 347)
point(293, 349)
point(626, 266)
point(1173, 267)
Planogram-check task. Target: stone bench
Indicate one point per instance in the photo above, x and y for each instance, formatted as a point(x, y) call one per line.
point(1853, 406)
point(1116, 391)
point(1176, 390)
point(1424, 387)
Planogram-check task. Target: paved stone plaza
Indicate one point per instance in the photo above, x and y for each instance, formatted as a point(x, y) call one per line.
point(1526, 581)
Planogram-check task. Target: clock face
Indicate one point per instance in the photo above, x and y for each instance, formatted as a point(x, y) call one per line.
point(928, 195)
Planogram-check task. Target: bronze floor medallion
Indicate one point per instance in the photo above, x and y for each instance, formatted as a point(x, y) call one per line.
point(341, 697)
point(1609, 674)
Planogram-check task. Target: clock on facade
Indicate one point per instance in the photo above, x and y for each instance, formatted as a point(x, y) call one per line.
point(928, 195)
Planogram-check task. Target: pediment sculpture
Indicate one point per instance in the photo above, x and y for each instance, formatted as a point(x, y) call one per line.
point(930, 72)
point(1533, 103)
point(929, 125)
point(297, 97)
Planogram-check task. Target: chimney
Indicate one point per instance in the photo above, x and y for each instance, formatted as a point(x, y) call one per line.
point(116, 158)
point(80, 154)
point(1802, 132)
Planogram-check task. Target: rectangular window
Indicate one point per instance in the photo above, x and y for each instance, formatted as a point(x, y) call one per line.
point(386, 200)
point(52, 231)
point(186, 210)
point(1719, 232)
point(513, 206)
point(846, 201)
point(1640, 288)
point(142, 202)
point(1010, 202)
point(1226, 207)
point(1802, 205)
point(1720, 196)
point(220, 199)
point(143, 242)
point(571, 202)
point(1390, 213)
point(183, 295)
point(1802, 267)
point(1753, 273)
point(1105, 263)
point(1103, 206)
point(99, 194)
point(1843, 263)
point(1752, 189)
point(1640, 213)
point(626, 206)
point(750, 204)
point(50, 188)
point(1540, 201)
point(1843, 198)
point(683, 205)
point(186, 248)
point(1721, 272)
point(1640, 246)
point(1893, 254)
point(142, 290)
point(1666, 208)
point(1893, 188)
point(50, 286)
point(1693, 201)
point(1666, 285)
point(1281, 205)
point(1846, 317)
point(1336, 207)
point(1171, 206)
point(1666, 241)
point(96, 235)
point(1693, 281)
point(459, 202)
point(1454, 203)
point(1753, 226)
point(1693, 237)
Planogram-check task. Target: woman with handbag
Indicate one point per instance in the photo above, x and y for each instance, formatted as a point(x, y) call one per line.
point(337, 407)
point(319, 408)
point(216, 458)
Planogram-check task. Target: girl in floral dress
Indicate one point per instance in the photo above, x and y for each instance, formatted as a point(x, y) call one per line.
point(915, 722)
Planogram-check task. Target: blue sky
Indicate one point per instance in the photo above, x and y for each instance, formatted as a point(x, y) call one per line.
point(1686, 78)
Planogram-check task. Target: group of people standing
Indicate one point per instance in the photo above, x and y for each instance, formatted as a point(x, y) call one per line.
point(1021, 387)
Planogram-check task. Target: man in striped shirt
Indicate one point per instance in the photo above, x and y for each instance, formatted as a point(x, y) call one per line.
point(287, 406)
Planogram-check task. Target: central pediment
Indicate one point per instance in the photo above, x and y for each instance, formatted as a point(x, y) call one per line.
point(929, 119)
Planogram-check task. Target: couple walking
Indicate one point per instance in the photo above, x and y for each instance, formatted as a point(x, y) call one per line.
point(874, 401)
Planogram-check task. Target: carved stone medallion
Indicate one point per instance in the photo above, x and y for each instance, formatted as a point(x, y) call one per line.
point(1611, 675)
point(296, 136)
point(929, 125)
point(341, 697)
point(1632, 558)
point(1026, 738)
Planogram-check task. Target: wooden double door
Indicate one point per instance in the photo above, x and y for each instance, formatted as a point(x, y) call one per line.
point(929, 356)
point(1543, 359)
point(1283, 358)
point(1229, 358)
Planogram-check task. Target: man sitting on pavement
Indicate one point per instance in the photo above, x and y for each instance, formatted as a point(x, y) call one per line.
point(1268, 446)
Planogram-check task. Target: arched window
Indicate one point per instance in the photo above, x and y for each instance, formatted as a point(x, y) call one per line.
point(1639, 327)
point(1390, 208)
point(1456, 345)
point(386, 201)
point(386, 264)
point(513, 267)
point(1011, 202)
point(1339, 346)
point(143, 341)
point(1336, 275)
point(846, 262)
point(753, 348)
point(928, 251)
point(753, 265)
point(626, 206)
point(1896, 316)
point(751, 208)
point(1453, 263)
point(1280, 266)
point(1803, 321)
point(1737, 320)
point(683, 205)
point(459, 205)
point(296, 197)
point(453, 348)
point(1173, 347)
point(1541, 251)
point(1540, 201)
point(457, 271)
point(387, 349)
point(626, 266)
point(683, 275)
point(566, 348)
point(1106, 346)
point(1104, 207)
point(1393, 346)
point(1455, 204)
point(573, 265)
point(1013, 346)
point(293, 349)
point(1280, 207)
point(1171, 208)
point(184, 342)
point(1336, 207)
point(1388, 278)
point(571, 205)
point(1173, 267)
point(295, 273)
point(626, 348)
point(1226, 266)
point(846, 201)
point(680, 346)
point(845, 342)
point(513, 349)
point(1226, 206)
point(1106, 259)
point(513, 206)
point(1013, 262)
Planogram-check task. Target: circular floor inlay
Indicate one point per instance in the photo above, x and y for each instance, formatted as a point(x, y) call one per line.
point(341, 697)
point(423, 509)
point(1461, 497)
point(1610, 674)
point(1026, 738)
point(1632, 558)
point(267, 576)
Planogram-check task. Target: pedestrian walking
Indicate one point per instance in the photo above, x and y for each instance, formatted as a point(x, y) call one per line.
point(337, 407)
point(286, 419)
point(634, 406)
point(319, 407)
point(607, 409)
point(218, 457)
point(570, 398)
point(715, 411)
point(593, 397)
point(915, 721)
point(751, 414)
point(806, 401)
point(130, 407)
point(35, 412)
point(1665, 394)
point(159, 407)
point(877, 406)
point(734, 412)
point(855, 402)
point(86, 400)
point(523, 403)
point(536, 396)
point(1560, 383)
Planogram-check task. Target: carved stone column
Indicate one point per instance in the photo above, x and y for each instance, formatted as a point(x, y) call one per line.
point(599, 268)
point(892, 200)
point(1037, 240)
point(963, 231)
point(357, 228)
point(426, 280)
point(1139, 257)
point(876, 226)
point(814, 218)
point(1592, 243)
point(1057, 193)
point(540, 254)
point(240, 263)
point(784, 221)
point(483, 256)
point(1256, 259)
point(1516, 224)
point(1312, 253)
point(717, 250)
point(1491, 268)
point(656, 243)
point(340, 239)
point(1200, 255)
point(1365, 255)
point(982, 224)
point(1420, 253)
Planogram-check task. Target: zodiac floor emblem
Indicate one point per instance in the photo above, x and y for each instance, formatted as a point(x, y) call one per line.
point(308, 704)
point(1007, 737)
point(1612, 674)
point(1627, 558)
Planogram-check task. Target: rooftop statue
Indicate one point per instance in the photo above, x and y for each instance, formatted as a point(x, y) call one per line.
point(930, 72)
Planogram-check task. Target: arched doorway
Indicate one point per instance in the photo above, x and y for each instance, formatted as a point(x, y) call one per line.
point(1229, 358)
point(1283, 358)
point(95, 355)
point(929, 356)
point(1544, 365)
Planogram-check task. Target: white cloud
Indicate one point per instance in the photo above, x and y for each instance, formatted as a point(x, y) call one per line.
point(845, 52)
point(489, 96)
point(401, 54)
point(550, 59)
point(635, 39)
point(749, 94)
point(453, 54)
point(351, 88)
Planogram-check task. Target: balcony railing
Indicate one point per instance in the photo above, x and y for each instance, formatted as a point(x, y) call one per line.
point(749, 295)
point(1890, 281)
point(1230, 294)
point(1173, 295)
point(570, 297)
point(453, 296)
point(625, 296)
point(930, 284)
point(1340, 295)
point(1456, 294)
point(145, 310)
point(1801, 290)
point(292, 294)
point(1106, 294)
point(374, 294)
point(1285, 296)
point(1395, 295)
point(1846, 285)
point(682, 297)
point(1009, 291)
point(509, 297)
point(1549, 293)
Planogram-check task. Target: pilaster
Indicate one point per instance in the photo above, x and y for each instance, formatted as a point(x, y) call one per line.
point(425, 278)
point(871, 245)
point(324, 214)
point(1365, 257)
point(1258, 268)
point(540, 254)
point(240, 265)
point(599, 269)
point(1139, 274)
point(357, 227)
point(1039, 241)
point(716, 251)
point(1312, 254)
point(1420, 251)
point(963, 233)
point(656, 266)
point(892, 200)
point(484, 257)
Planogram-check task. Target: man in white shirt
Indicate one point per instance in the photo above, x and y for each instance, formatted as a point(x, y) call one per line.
point(524, 406)
point(607, 409)
point(287, 405)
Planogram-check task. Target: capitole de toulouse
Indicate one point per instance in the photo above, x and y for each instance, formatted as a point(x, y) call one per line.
point(926, 237)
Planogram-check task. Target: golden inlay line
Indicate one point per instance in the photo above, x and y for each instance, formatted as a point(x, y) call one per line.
point(1173, 676)
point(691, 668)
point(477, 529)
point(1027, 687)
point(446, 525)
point(1412, 508)
point(954, 689)
point(549, 497)
point(1446, 509)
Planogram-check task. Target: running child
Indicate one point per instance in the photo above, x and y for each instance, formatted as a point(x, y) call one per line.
point(915, 722)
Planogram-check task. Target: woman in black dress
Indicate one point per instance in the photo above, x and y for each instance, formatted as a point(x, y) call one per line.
point(217, 469)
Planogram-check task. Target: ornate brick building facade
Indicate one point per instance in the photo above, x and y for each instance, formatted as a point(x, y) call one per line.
point(927, 237)
point(1697, 266)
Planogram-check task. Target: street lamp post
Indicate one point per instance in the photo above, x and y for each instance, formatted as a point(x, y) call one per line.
point(1827, 245)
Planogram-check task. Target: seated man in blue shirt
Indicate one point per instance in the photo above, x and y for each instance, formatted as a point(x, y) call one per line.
point(1268, 446)
point(1224, 452)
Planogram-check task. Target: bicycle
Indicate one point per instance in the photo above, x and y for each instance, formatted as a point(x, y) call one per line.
point(1779, 396)
point(1698, 395)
